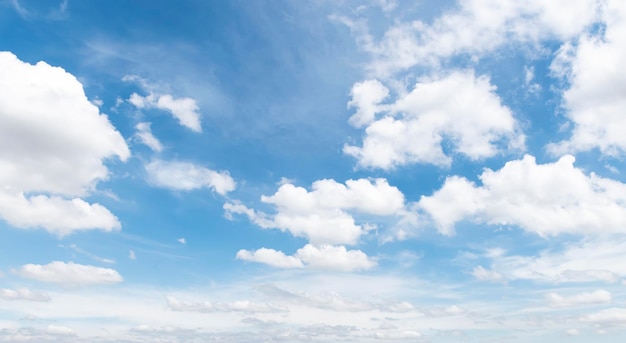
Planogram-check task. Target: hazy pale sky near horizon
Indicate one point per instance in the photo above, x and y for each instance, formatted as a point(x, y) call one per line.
point(312, 171)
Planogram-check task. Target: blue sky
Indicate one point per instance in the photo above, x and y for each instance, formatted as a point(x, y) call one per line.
point(359, 171)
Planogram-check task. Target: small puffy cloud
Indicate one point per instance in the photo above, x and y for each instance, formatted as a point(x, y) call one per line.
point(480, 273)
point(144, 134)
point(594, 101)
point(592, 298)
point(56, 214)
point(459, 108)
point(187, 176)
point(69, 274)
point(235, 306)
point(23, 294)
point(53, 143)
point(325, 257)
point(270, 257)
point(366, 98)
point(185, 110)
point(321, 215)
point(182, 240)
point(547, 199)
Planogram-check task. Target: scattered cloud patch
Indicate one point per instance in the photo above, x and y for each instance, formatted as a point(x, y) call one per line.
point(592, 298)
point(185, 176)
point(24, 294)
point(235, 306)
point(69, 274)
point(145, 136)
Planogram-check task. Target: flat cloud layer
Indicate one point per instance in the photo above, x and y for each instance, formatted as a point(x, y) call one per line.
point(69, 274)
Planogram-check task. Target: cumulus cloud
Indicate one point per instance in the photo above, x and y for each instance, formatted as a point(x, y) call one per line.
point(546, 199)
point(69, 274)
point(592, 298)
point(321, 215)
point(459, 108)
point(53, 143)
point(145, 136)
point(23, 294)
point(325, 257)
point(474, 28)
point(594, 101)
point(57, 330)
point(480, 273)
point(187, 176)
point(235, 306)
point(185, 110)
point(609, 317)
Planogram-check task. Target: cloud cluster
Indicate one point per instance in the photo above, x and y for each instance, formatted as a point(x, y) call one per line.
point(322, 216)
point(53, 144)
point(458, 109)
point(546, 199)
point(23, 294)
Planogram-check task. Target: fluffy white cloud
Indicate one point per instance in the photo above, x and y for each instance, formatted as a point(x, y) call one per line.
point(57, 215)
point(325, 257)
point(23, 294)
point(188, 176)
point(185, 110)
point(592, 298)
point(69, 274)
point(52, 141)
point(608, 317)
point(235, 306)
point(458, 108)
point(546, 199)
point(320, 215)
point(145, 136)
point(270, 257)
point(473, 28)
point(594, 101)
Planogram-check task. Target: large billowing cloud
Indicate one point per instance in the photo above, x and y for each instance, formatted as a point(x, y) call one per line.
point(53, 144)
point(547, 199)
point(324, 216)
point(459, 108)
point(595, 101)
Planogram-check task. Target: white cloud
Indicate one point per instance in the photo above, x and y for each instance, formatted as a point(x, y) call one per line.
point(144, 134)
point(587, 261)
point(57, 330)
point(131, 255)
point(592, 298)
point(325, 257)
point(572, 332)
point(235, 306)
point(594, 101)
point(483, 274)
point(458, 108)
point(69, 274)
point(23, 294)
point(473, 28)
point(270, 257)
point(188, 176)
point(547, 199)
point(185, 110)
point(608, 317)
point(56, 214)
point(52, 141)
point(320, 215)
